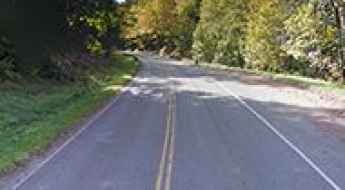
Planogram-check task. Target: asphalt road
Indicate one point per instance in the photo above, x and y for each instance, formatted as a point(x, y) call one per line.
point(178, 128)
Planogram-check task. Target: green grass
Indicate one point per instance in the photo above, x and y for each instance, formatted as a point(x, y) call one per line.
point(301, 81)
point(34, 114)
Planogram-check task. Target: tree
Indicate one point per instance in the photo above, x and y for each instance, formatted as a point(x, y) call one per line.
point(309, 41)
point(41, 29)
point(188, 15)
point(335, 9)
point(220, 32)
point(154, 23)
point(96, 21)
point(7, 58)
point(265, 35)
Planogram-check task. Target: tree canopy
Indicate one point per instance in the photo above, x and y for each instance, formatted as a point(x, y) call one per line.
point(303, 37)
point(37, 32)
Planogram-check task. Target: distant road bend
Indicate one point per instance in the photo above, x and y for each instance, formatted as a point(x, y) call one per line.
point(179, 128)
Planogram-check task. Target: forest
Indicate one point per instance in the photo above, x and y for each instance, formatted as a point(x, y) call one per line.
point(302, 37)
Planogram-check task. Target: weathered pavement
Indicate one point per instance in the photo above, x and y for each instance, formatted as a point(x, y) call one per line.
point(178, 128)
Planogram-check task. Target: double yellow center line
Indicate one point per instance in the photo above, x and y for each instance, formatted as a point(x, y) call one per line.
point(163, 181)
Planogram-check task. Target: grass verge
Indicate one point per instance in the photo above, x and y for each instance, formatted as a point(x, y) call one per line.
point(34, 114)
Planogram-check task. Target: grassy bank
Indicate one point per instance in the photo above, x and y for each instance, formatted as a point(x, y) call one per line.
point(33, 114)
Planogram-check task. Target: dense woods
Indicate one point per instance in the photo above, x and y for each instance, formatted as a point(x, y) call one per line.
point(165, 25)
point(50, 39)
point(304, 37)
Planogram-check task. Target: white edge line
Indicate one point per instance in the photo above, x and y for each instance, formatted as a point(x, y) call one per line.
point(270, 126)
point(33, 171)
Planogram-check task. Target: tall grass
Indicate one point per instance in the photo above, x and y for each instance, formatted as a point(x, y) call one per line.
point(35, 113)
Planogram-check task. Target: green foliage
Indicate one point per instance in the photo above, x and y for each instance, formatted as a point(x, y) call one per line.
point(156, 21)
point(98, 22)
point(220, 32)
point(265, 35)
point(34, 29)
point(302, 30)
point(7, 59)
point(161, 24)
point(310, 41)
point(34, 113)
point(188, 14)
point(333, 14)
point(300, 37)
point(94, 46)
point(41, 30)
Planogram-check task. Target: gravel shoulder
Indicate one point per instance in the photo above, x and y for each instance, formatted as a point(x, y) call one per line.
point(325, 105)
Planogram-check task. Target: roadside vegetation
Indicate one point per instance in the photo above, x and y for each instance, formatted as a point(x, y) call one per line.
point(47, 39)
point(34, 112)
point(58, 63)
point(303, 38)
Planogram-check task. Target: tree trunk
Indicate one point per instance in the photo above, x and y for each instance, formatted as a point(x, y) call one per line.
point(339, 13)
point(342, 37)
